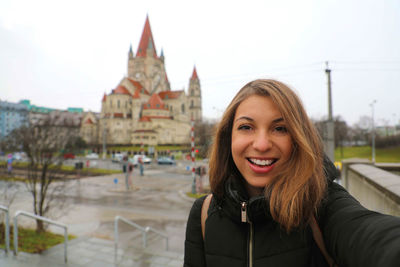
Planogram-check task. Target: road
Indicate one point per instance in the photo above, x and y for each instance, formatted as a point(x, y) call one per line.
point(91, 204)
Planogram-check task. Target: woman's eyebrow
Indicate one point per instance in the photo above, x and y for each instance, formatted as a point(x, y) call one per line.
point(244, 118)
point(278, 120)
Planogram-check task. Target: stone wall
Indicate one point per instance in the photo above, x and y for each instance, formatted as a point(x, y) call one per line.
point(376, 189)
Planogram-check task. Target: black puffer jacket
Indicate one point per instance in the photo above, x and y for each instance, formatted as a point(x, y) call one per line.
point(353, 235)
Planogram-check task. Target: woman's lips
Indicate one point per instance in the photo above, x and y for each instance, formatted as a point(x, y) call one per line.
point(261, 166)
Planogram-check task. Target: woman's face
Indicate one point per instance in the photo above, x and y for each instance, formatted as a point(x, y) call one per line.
point(261, 144)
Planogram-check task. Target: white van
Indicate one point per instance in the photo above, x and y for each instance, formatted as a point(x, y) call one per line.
point(117, 157)
point(135, 161)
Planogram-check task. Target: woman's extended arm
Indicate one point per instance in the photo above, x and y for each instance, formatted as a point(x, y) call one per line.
point(356, 236)
point(194, 246)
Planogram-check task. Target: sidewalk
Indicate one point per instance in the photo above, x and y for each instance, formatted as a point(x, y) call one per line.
point(161, 203)
point(93, 252)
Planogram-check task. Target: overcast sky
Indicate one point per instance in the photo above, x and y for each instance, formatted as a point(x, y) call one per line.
point(63, 54)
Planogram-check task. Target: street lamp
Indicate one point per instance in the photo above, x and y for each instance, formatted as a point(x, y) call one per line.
point(373, 131)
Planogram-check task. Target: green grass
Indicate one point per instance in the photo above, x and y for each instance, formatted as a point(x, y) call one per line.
point(381, 154)
point(32, 242)
point(90, 170)
point(190, 194)
point(137, 148)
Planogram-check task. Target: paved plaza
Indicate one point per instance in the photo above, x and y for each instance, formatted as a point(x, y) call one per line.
point(157, 200)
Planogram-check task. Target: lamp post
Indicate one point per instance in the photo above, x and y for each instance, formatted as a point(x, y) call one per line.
point(373, 131)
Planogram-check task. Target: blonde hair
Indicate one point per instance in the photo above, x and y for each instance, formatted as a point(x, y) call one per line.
point(296, 192)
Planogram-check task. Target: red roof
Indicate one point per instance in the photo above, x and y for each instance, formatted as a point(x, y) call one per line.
point(155, 102)
point(104, 97)
point(148, 118)
point(146, 40)
point(139, 89)
point(144, 119)
point(170, 94)
point(194, 74)
point(136, 83)
point(121, 90)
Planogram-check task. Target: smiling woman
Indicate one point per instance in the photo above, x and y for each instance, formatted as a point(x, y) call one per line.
point(261, 144)
point(274, 201)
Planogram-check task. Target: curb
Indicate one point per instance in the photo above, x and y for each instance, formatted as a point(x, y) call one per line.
point(185, 197)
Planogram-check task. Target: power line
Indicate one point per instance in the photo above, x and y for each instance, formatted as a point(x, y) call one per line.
point(366, 62)
point(366, 69)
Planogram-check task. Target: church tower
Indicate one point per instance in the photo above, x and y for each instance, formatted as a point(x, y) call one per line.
point(147, 67)
point(195, 97)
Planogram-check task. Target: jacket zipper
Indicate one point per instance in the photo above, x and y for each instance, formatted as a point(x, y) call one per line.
point(246, 219)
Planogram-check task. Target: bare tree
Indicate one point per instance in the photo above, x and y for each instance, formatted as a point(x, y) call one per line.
point(341, 133)
point(362, 130)
point(43, 140)
point(204, 132)
point(341, 129)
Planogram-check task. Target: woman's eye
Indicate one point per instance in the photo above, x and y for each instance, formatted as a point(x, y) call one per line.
point(281, 129)
point(244, 127)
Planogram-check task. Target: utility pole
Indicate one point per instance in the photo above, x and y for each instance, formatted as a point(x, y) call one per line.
point(373, 131)
point(330, 124)
point(193, 157)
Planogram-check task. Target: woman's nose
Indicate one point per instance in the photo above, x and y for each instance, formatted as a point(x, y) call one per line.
point(262, 141)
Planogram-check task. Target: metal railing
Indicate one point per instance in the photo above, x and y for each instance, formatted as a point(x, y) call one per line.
point(37, 217)
point(7, 224)
point(144, 231)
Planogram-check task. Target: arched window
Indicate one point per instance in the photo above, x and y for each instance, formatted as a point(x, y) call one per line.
point(118, 104)
point(191, 103)
point(183, 108)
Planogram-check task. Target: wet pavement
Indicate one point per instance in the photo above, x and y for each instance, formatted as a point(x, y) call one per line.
point(157, 200)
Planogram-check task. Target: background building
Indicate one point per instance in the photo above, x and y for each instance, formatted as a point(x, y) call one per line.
point(12, 116)
point(142, 109)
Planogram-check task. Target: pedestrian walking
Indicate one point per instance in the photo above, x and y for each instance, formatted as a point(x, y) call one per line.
point(141, 166)
point(274, 201)
point(130, 172)
point(125, 169)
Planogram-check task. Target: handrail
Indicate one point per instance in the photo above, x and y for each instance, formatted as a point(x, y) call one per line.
point(5, 209)
point(37, 217)
point(144, 231)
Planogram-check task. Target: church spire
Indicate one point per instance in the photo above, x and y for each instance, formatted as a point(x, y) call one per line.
point(146, 41)
point(194, 74)
point(162, 55)
point(130, 52)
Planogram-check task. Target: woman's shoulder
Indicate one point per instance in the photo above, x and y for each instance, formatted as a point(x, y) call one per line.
point(197, 205)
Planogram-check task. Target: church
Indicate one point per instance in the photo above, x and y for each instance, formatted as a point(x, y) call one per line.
point(142, 109)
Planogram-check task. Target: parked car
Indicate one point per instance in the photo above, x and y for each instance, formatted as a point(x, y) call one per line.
point(19, 155)
point(145, 159)
point(69, 156)
point(92, 156)
point(117, 157)
point(165, 160)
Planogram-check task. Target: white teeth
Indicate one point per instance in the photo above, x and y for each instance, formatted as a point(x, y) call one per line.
point(262, 162)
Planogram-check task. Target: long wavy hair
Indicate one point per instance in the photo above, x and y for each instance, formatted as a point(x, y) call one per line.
point(295, 193)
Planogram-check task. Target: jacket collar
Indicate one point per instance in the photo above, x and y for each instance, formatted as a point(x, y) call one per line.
point(257, 207)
